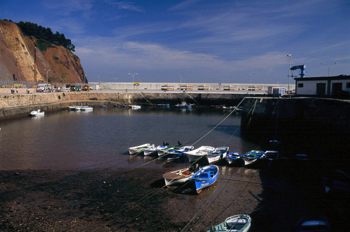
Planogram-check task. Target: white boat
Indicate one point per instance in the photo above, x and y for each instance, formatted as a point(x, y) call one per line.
point(178, 176)
point(75, 108)
point(199, 152)
point(236, 223)
point(86, 108)
point(183, 175)
point(217, 155)
point(134, 107)
point(37, 113)
point(184, 105)
point(177, 154)
point(151, 150)
point(140, 148)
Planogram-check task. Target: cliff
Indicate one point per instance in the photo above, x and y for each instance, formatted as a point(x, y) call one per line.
point(17, 54)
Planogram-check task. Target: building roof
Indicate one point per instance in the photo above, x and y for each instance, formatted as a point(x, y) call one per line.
point(340, 77)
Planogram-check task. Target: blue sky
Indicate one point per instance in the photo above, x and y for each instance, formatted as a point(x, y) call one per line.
point(219, 41)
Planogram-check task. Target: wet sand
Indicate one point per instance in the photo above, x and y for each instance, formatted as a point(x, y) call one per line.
point(137, 200)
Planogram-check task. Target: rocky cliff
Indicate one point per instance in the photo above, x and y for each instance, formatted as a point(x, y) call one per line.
point(20, 60)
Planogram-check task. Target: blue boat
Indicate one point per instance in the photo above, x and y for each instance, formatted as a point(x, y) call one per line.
point(178, 154)
point(252, 156)
point(234, 159)
point(205, 177)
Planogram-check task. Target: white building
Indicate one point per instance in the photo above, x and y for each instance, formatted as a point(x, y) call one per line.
point(323, 86)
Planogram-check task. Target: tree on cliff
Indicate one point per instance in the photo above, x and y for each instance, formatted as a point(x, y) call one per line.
point(45, 36)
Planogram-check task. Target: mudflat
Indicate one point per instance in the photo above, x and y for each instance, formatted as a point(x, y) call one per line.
point(137, 200)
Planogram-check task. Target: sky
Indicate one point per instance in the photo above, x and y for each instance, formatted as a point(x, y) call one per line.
point(197, 41)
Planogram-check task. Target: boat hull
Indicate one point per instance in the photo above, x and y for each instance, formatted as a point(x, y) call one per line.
point(205, 177)
point(36, 113)
point(199, 152)
point(234, 159)
point(252, 157)
point(236, 223)
point(139, 149)
point(178, 176)
point(217, 155)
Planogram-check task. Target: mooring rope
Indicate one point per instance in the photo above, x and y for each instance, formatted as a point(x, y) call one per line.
point(234, 109)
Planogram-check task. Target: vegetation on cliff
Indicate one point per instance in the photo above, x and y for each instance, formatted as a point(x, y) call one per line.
point(45, 36)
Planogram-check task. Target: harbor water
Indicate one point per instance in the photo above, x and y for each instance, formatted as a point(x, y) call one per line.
point(100, 139)
point(73, 170)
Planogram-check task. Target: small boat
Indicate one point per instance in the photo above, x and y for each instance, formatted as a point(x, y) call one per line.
point(86, 108)
point(184, 105)
point(205, 177)
point(181, 176)
point(75, 108)
point(236, 223)
point(271, 155)
point(197, 153)
point(177, 154)
point(178, 176)
point(217, 155)
point(252, 156)
point(103, 106)
point(234, 158)
point(37, 113)
point(163, 152)
point(134, 107)
point(317, 224)
point(151, 150)
point(140, 148)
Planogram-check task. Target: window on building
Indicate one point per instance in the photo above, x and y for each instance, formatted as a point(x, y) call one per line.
point(348, 85)
point(300, 85)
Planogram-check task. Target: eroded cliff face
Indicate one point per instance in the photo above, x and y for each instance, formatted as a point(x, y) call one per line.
point(18, 52)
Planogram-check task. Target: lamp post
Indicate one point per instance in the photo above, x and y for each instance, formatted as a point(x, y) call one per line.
point(133, 75)
point(329, 66)
point(290, 59)
point(47, 75)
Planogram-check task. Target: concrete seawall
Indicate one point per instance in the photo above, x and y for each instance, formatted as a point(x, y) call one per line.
point(18, 105)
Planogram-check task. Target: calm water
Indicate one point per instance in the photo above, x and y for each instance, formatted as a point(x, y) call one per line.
point(100, 139)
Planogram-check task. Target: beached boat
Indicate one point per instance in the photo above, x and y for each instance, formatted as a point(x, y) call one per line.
point(234, 158)
point(163, 152)
point(177, 154)
point(139, 149)
point(197, 153)
point(217, 155)
point(252, 156)
point(317, 224)
point(37, 113)
point(236, 223)
point(86, 108)
point(178, 176)
point(154, 150)
point(183, 175)
point(205, 177)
